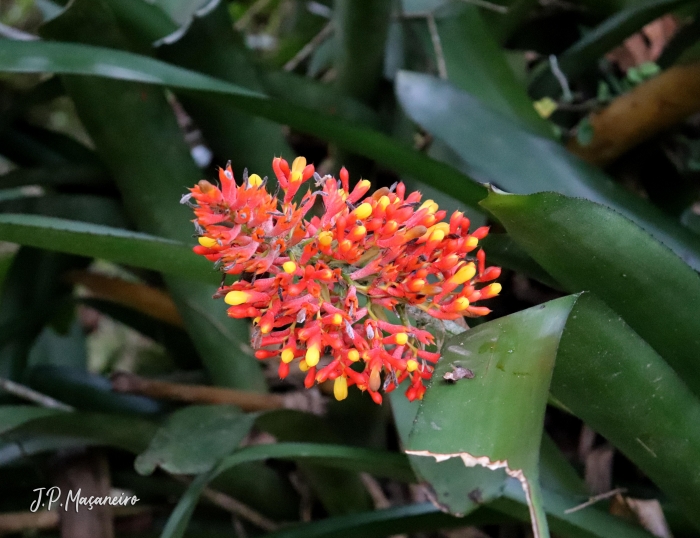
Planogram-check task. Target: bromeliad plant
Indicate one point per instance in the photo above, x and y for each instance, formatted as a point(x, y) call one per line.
point(333, 282)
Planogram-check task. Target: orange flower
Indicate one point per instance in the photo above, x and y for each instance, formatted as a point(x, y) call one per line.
point(327, 286)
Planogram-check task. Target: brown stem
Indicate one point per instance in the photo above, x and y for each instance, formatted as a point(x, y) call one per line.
point(246, 400)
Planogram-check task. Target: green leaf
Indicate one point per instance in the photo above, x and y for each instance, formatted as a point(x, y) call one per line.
point(135, 132)
point(194, 439)
point(623, 389)
point(380, 463)
point(476, 63)
point(13, 416)
point(113, 244)
point(93, 429)
point(583, 54)
point(361, 28)
point(586, 246)
point(70, 58)
point(65, 174)
point(603, 372)
point(388, 522)
point(501, 151)
point(512, 360)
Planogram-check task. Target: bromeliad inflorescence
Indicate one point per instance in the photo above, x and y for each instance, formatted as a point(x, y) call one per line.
point(342, 284)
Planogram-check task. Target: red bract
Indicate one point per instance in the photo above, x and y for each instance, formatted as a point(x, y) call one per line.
point(327, 286)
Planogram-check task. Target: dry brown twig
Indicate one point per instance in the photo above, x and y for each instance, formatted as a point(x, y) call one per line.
point(248, 401)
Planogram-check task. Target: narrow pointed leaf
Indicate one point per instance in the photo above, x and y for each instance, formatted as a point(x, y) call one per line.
point(71, 58)
point(113, 244)
point(357, 459)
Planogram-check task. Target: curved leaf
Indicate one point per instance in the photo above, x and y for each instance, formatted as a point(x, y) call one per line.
point(603, 372)
point(511, 360)
point(586, 246)
point(70, 58)
point(113, 244)
point(513, 158)
point(335, 456)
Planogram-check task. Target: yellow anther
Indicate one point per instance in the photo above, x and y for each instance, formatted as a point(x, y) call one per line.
point(353, 355)
point(411, 365)
point(401, 339)
point(287, 355)
point(303, 366)
point(299, 164)
point(289, 267)
point(208, 242)
point(325, 238)
point(464, 274)
point(254, 180)
point(472, 242)
point(384, 202)
point(363, 211)
point(312, 356)
point(337, 319)
point(461, 303)
point(235, 298)
point(340, 388)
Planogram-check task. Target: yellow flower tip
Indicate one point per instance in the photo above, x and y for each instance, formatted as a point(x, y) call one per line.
point(303, 366)
point(312, 356)
point(384, 202)
point(289, 267)
point(207, 242)
point(363, 211)
point(425, 204)
point(437, 235)
point(401, 339)
point(364, 184)
point(325, 239)
point(472, 242)
point(287, 355)
point(340, 388)
point(337, 319)
point(254, 180)
point(266, 328)
point(235, 298)
point(343, 194)
point(495, 288)
point(461, 303)
point(411, 365)
point(295, 176)
point(353, 355)
point(298, 165)
point(256, 320)
point(464, 274)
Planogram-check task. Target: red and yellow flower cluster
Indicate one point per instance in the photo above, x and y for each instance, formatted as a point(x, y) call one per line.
point(333, 293)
